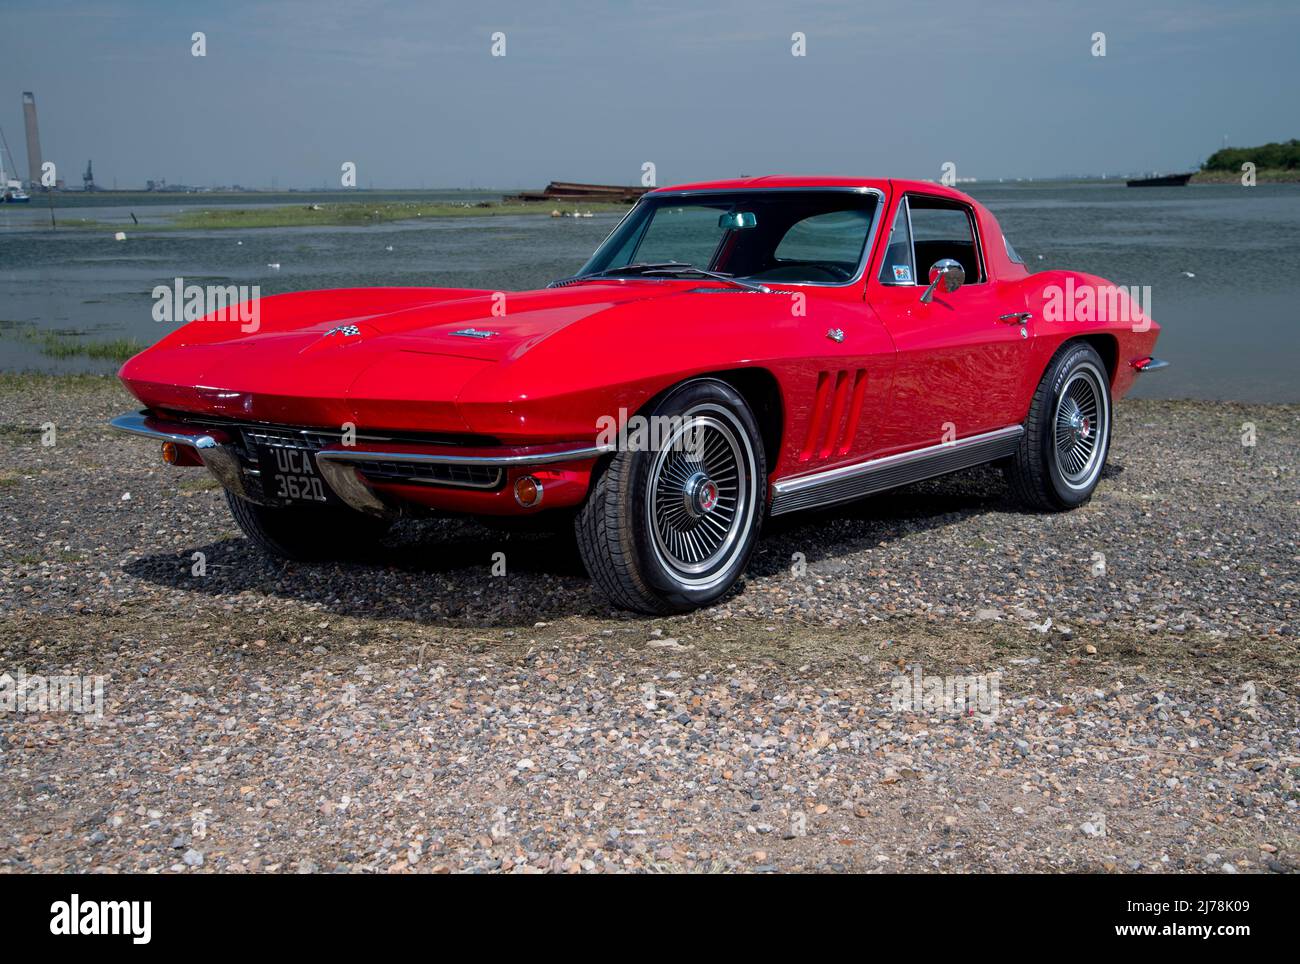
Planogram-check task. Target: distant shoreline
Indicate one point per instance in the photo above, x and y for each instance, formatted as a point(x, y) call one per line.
point(1264, 176)
point(369, 207)
point(361, 213)
point(325, 196)
point(355, 212)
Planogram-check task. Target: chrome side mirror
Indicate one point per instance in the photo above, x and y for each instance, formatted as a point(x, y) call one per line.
point(946, 272)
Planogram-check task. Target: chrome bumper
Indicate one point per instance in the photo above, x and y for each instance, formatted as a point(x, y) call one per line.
point(213, 447)
point(338, 464)
point(1150, 364)
point(142, 423)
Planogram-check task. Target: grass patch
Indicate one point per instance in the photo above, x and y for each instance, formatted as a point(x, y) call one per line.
point(78, 224)
point(73, 344)
point(18, 434)
point(21, 382)
point(62, 346)
point(362, 213)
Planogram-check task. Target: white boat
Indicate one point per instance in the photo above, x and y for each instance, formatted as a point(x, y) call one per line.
point(11, 189)
point(14, 193)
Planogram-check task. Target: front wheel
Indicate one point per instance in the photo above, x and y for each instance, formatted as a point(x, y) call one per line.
point(670, 526)
point(1067, 434)
point(307, 533)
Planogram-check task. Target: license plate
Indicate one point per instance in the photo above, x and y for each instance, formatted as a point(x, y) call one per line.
point(290, 475)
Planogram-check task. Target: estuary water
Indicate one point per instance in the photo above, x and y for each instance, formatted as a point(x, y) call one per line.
point(1222, 262)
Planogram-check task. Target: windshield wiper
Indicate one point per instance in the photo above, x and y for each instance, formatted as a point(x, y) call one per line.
point(676, 267)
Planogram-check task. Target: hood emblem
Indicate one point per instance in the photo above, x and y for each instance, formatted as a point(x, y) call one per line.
point(347, 331)
point(476, 333)
point(835, 334)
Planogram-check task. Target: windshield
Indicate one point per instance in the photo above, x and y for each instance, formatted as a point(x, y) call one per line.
point(780, 236)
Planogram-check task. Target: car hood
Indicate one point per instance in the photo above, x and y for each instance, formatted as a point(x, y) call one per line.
point(375, 356)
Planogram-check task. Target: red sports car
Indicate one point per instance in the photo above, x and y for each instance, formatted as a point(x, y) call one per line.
point(733, 350)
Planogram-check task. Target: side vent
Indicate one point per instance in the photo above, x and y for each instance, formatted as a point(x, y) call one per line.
point(836, 411)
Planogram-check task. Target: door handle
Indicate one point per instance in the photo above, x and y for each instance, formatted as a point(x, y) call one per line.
point(1015, 317)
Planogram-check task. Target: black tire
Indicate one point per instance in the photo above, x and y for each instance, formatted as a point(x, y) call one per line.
point(637, 531)
point(307, 533)
point(1060, 457)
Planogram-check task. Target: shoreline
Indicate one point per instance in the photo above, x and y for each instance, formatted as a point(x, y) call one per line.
point(356, 213)
point(360, 211)
point(363, 213)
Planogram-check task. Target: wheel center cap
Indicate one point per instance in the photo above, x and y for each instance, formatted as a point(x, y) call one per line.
point(701, 494)
point(707, 495)
point(1080, 426)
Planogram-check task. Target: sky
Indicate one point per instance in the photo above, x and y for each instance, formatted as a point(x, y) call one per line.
point(411, 93)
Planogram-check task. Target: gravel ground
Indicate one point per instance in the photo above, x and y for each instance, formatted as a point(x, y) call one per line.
point(425, 715)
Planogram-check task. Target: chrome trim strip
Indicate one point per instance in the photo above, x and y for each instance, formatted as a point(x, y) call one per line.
point(876, 218)
point(974, 230)
point(136, 423)
point(848, 482)
point(165, 431)
point(495, 482)
point(500, 461)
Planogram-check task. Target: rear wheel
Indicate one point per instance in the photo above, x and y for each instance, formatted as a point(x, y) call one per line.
point(671, 527)
point(1067, 434)
point(307, 533)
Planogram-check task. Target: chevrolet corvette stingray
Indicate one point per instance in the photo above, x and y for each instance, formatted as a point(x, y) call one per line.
point(733, 350)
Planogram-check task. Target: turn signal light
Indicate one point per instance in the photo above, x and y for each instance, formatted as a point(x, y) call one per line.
point(528, 492)
point(171, 453)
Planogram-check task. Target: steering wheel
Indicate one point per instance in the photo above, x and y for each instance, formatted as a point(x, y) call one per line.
point(831, 271)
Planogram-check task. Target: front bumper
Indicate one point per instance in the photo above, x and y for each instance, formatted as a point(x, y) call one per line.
point(380, 475)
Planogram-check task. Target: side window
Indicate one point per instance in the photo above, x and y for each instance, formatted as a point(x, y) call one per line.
point(898, 267)
point(944, 229)
point(1012, 253)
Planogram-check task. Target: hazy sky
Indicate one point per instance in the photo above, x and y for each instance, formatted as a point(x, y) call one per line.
point(410, 92)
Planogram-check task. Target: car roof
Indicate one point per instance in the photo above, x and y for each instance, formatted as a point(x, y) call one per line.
point(769, 181)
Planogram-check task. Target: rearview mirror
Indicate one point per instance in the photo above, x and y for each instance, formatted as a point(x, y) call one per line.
point(946, 272)
point(736, 220)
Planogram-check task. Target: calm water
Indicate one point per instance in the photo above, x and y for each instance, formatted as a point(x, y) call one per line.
point(1230, 331)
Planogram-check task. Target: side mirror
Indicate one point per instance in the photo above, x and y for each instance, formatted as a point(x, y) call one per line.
point(946, 272)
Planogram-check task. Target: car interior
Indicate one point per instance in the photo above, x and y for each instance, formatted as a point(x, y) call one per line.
point(821, 242)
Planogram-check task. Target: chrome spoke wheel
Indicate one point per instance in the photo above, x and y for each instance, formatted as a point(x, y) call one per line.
point(700, 500)
point(1080, 427)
